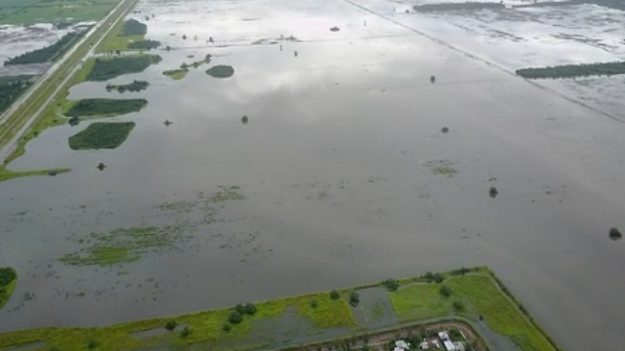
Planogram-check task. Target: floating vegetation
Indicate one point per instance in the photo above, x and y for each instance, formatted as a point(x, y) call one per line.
point(432, 79)
point(48, 53)
point(335, 29)
point(570, 71)
point(101, 136)
point(615, 234)
point(442, 167)
point(101, 166)
point(105, 107)
point(135, 86)
point(176, 74)
point(220, 71)
point(125, 245)
point(8, 280)
point(444, 130)
point(107, 68)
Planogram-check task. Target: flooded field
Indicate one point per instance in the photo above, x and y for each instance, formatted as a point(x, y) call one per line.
point(329, 158)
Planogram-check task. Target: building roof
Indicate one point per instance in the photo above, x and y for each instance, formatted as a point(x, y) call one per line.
point(449, 346)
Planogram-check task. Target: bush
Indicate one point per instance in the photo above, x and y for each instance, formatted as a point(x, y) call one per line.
point(240, 309)
point(235, 317)
point(171, 325)
point(615, 234)
point(354, 299)
point(314, 304)
point(92, 344)
point(458, 306)
point(334, 295)
point(185, 332)
point(445, 291)
point(226, 327)
point(391, 284)
point(437, 277)
point(250, 309)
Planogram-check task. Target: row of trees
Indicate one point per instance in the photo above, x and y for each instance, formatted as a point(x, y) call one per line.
point(48, 53)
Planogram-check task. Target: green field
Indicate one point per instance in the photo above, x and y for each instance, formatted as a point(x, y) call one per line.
point(417, 299)
point(8, 280)
point(28, 12)
point(107, 68)
point(105, 107)
point(101, 135)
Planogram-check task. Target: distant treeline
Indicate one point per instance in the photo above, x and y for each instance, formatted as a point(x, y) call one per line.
point(569, 71)
point(107, 68)
point(105, 107)
point(11, 88)
point(134, 27)
point(49, 53)
point(457, 6)
point(144, 44)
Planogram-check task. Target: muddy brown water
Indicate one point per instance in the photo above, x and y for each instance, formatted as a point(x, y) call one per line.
point(333, 167)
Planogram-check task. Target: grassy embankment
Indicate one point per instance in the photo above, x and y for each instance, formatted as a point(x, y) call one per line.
point(8, 280)
point(475, 294)
point(48, 92)
point(27, 12)
point(572, 71)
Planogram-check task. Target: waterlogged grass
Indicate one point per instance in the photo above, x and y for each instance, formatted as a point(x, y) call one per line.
point(105, 107)
point(107, 68)
point(119, 246)
point(101, 136)
point(176, 74)
point(8, 280)
point(481, 296)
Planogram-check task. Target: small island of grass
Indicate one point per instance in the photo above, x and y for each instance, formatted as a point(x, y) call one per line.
point(220, 71)
point(101, 136)
point(144, 44)
point(107, 68)
point(105, 107)
point(176, 74)
point(8, 280)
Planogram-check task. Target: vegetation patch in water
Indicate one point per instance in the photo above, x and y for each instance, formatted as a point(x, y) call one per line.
point(176, 74)
point(135, 86)
point(134, 27)
point(473, 6)
point(220, 71)
point(442, 167)
point(49, 53)
point(8, 280)
point(571, 71)
point(144, 44)
point(107, 68)
point(101, 136)
point(12, 87)
point(6, 174)
point(105, 107)
point(120, 246)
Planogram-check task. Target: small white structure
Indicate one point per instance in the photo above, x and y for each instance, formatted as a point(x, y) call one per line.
point(424, 345)
point(449, 346)
point(459, 346)
point(444, 336)
point(401, 345)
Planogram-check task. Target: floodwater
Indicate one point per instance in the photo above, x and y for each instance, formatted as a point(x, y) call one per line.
point(346, 175)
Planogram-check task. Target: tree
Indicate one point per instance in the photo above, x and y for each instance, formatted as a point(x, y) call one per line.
point(334, 295)
point(235, 317)
point(171, 325)
point(445, 291)
point(250, 309)
point(391, 284)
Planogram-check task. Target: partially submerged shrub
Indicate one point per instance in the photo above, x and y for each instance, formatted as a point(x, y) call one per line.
point(354, 299)
point(615, 234)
